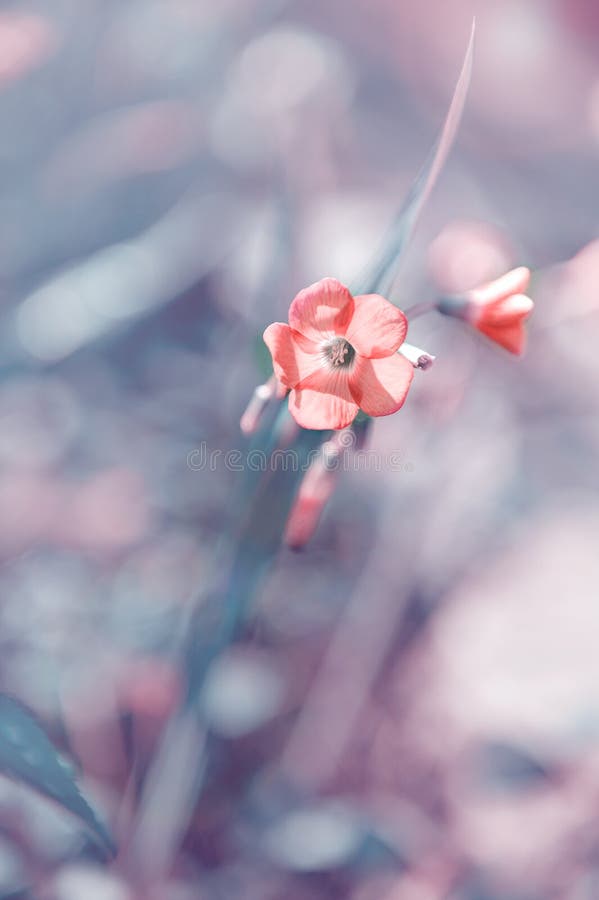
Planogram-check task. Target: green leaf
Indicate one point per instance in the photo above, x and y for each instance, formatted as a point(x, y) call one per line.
point(27, 755)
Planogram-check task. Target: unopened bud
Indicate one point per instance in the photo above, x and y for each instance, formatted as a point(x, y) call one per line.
point(314, 493)
point(420, 359)
point(262, 395)
point(497, 309)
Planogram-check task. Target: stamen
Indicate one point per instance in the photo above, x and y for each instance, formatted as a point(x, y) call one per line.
point(339, 352)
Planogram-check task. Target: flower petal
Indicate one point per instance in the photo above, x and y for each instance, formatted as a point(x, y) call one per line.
point(512, 309)
point(380, 386)
point(293, 356)
point(323, 400)
point(503, 322)
point(511, 336)
point(322, 310)
point(377, 327)
point(514, 282)
point(313, 409)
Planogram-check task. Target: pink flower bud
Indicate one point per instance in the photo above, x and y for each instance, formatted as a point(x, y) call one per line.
point(260, 398)
point(314, 493)
point(497, 309)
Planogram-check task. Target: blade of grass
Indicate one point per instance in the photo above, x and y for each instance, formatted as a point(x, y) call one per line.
point(381, 274)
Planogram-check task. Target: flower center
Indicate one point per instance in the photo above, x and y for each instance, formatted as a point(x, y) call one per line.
point(339, 352)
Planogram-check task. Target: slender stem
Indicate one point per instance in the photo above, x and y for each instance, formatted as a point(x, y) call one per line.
point(419, 309)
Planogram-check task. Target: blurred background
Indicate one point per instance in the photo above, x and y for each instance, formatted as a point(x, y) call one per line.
point(413, 710)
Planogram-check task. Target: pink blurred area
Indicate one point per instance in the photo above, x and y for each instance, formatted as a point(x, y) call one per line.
point(412, 712)
point(27, 41)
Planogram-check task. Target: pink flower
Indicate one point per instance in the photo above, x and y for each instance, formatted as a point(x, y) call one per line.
point(339, 354)
point(497, 309)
